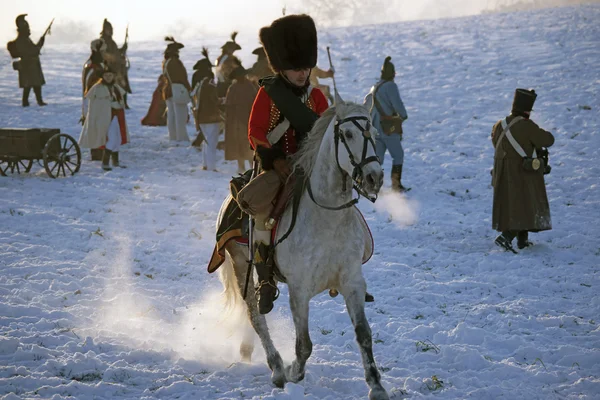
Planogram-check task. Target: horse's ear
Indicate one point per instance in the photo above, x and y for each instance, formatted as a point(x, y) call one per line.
point(337, 99)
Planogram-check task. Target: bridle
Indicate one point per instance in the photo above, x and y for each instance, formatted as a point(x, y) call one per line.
point(357, 172)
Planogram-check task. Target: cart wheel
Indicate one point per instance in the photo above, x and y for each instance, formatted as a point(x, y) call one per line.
point(61, 154)
point(12, 166)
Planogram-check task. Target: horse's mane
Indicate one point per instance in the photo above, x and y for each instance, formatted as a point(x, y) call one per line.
point(306, 156)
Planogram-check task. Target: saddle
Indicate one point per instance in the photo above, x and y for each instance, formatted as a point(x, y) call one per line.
point(233, 223)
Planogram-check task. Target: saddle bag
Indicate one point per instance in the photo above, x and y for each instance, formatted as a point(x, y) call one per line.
point(258, 195)
point(391, 124)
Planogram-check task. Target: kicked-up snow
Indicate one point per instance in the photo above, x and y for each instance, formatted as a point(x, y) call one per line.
point(103, 285)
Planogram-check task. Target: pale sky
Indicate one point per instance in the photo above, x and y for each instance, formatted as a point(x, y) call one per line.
point(148, 19)
point(79, 21)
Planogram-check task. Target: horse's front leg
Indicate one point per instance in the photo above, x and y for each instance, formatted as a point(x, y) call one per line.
point(258, 321)
point(354, 295)
point(299, 307)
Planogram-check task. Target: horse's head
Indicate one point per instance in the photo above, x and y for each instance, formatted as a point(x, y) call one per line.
point(354, 138)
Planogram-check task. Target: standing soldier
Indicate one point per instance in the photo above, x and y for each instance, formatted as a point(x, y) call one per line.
point(226, 63)
point(387, 113)
point(520, 200)
point(105, 123)
point(176, 92)
point(91, 74)
point(284, 111)
point(238, 105)
point(261, 68)
point(115, 57)
point(29, 65)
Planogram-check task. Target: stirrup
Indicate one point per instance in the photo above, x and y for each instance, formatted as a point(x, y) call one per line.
point(260, 285)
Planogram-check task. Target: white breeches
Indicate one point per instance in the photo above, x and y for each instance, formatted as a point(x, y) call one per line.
point(209, 147)
point(177, 115)
point(113, 142)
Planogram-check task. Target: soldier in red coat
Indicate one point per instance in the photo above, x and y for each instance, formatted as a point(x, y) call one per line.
point(284, 111)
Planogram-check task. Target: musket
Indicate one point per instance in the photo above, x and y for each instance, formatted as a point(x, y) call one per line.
point(47, 32)
point(48, 29)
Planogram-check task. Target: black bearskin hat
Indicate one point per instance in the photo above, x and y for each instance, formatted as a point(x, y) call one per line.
point(523, 101)
point(388, 71)
point(204, 64)
point(173, 47)
point(290, 42)
point(21, 22)
point(232, 44)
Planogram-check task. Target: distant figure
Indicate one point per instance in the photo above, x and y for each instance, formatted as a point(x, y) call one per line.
point(208, 118)
point(105, 123)
point(317, 73)
point(116, 57)
point(202, 69)
point(387, 107)
point(29, 65)
point(520, 200)
point(226, 63)
point(261, 68)
point(238, 105)
point(90, 75)
point(176, 92)
point(157, 113)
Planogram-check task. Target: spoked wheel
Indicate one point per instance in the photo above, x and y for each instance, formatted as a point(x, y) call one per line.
point(62, 156)
point(14, 166)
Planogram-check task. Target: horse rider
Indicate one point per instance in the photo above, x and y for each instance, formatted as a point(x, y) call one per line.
point(116, 57)
point(284, 111)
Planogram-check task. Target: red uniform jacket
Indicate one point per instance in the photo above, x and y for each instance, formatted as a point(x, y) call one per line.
point(265, 116)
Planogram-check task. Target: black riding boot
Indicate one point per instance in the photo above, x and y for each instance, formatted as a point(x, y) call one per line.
point(25, 100)
point(106, 160)
point(266, 290)
point(523, 240)
point(397, 179)
point(38, 95)
point(505, 241)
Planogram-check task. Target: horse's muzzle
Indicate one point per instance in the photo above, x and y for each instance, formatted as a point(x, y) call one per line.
point(372, 180)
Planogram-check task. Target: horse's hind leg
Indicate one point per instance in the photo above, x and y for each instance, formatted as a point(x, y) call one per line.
point(258, 321)
point(299, 306)
point(354, 295)
point(247, 346)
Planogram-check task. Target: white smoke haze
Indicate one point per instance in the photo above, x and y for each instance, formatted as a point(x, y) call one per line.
point(401, 211)
point(194, 20)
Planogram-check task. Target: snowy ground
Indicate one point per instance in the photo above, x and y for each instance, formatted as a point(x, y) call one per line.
point(103, 288)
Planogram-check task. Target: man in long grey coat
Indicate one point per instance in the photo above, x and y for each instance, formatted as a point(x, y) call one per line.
point(520, 200)
point(389, 102)
point(29, 65)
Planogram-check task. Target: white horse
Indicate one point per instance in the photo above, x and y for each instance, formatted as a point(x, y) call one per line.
point(325, 249)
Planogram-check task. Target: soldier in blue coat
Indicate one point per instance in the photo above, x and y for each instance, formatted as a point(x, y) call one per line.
point(388, 102)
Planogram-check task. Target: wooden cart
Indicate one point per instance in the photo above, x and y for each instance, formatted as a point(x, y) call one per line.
point(19, 148)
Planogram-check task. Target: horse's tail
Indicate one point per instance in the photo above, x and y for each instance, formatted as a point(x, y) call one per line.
point(231, 292)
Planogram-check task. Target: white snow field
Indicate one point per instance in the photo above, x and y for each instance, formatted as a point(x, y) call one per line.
point(103, 285)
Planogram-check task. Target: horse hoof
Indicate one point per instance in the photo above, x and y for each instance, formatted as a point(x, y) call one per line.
point(278, 379)
point(333, 292)
point(378, 394)
point(293, 377)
